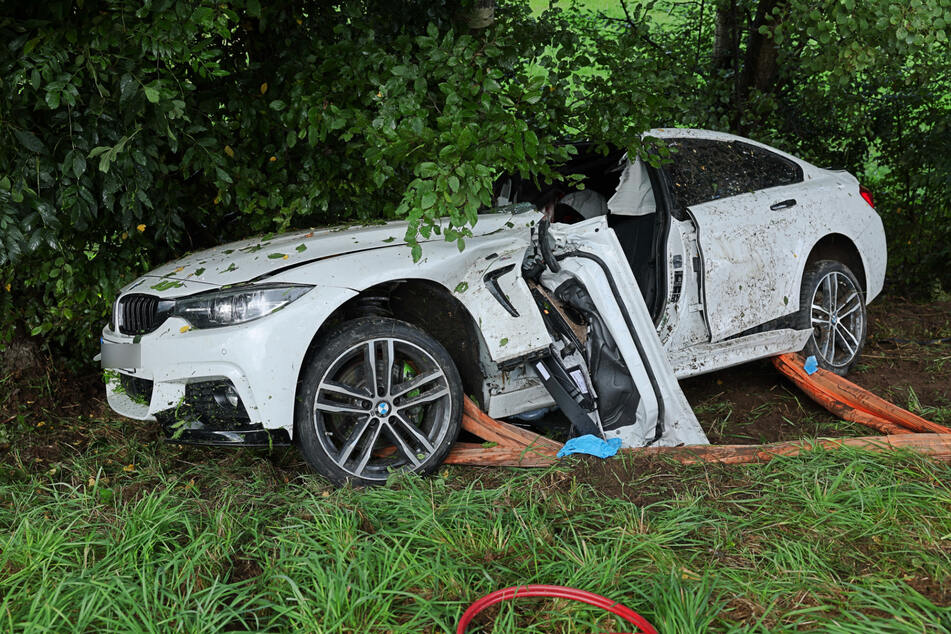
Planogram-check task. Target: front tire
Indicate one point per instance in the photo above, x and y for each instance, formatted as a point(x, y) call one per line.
point(379, 396)
point(832, 304)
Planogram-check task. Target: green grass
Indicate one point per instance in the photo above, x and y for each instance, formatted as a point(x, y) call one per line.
point(200, 540)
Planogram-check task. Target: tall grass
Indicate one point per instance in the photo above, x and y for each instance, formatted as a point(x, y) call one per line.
point(836, 542)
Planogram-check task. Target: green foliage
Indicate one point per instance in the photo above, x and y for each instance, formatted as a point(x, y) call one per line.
point(862, 86)
point(107, 152)
point(131, 133)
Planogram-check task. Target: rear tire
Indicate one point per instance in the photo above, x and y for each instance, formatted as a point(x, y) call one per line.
point(354, 425)
point(832, 304)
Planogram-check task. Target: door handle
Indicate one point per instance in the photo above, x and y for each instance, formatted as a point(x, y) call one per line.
point(783, 204)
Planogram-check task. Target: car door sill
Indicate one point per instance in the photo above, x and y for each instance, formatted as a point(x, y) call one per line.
point(703, 358)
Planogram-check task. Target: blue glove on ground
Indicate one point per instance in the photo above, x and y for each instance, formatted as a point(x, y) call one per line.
point(591, 445)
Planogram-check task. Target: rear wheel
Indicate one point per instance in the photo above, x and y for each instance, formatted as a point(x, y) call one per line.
point(832, 304)
point(380, 396)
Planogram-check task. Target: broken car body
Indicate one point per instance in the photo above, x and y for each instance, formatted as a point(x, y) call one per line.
point(337, 340)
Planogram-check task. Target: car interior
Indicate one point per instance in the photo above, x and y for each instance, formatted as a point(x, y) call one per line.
point(607, 184)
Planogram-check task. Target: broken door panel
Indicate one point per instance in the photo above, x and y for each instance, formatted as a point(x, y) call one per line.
point(591, 253)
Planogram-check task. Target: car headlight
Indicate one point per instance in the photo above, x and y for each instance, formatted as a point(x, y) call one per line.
point(237, 305)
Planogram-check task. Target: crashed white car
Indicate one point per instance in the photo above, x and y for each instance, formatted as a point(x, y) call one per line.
point(336, 340)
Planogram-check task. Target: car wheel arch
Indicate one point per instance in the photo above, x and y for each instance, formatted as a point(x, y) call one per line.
point(838, 247)
point(841, 248)
point(411, 300)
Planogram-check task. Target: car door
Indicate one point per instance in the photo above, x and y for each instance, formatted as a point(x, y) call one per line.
point(590, 252)
point(745, 203)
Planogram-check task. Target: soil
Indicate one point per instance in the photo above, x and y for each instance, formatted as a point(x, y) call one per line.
point(56, 404)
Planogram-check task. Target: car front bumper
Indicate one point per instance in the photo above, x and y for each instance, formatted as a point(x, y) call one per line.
point(261, 360)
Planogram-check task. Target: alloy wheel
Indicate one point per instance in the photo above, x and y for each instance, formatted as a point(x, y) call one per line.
point(383, 405)
point(838, 319)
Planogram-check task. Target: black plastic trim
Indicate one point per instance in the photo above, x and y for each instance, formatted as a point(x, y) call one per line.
point(491, 280)
point(531, 357)
point(661, 240)
point(231, 438)
point(580, 420)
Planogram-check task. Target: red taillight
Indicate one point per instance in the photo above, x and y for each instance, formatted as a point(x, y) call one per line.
point(867, 196)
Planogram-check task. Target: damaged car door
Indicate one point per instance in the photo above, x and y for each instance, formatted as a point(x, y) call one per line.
point(607, 369)
point(747, 205)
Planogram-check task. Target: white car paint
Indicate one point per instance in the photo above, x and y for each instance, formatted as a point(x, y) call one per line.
point(594, 237)
point(695, 333)
point(741, 239)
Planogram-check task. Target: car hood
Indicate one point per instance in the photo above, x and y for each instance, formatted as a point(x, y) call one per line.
point(246, 260)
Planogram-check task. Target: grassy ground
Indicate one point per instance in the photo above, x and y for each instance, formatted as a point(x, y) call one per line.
point(104, 528)
point(841, 542)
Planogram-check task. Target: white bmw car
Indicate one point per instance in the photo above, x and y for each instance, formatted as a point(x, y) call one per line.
point(592, 301)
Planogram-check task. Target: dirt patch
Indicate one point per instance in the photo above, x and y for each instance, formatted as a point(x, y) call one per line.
point(136, 490)
point(243, 569)
point(754, 404)
point(647, 479)
point(897, 318)
point(932, 589)
point(45, 413)
point(53, 392)
point(640, 480)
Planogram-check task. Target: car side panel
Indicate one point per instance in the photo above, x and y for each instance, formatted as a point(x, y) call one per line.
point(754, 257)
point(873, 248)
point(844, 212)
point(749, 254)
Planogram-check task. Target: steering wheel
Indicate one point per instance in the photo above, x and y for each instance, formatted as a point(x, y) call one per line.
point(544, 244)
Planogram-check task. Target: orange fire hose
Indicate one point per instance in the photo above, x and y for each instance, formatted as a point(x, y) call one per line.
point(850, 402)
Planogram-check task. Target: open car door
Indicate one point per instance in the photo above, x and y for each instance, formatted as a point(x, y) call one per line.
point(607, 352)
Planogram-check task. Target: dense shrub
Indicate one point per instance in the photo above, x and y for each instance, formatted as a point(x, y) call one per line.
point(130, 133)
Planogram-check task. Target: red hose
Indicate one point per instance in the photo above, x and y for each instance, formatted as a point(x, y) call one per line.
point(558, 592)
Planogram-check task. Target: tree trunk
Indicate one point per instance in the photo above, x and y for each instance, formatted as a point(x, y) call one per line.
point(482, 14)
point(725, 38)
point(759, 62)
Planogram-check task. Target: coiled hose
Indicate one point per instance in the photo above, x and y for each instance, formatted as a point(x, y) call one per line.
point(558, 592)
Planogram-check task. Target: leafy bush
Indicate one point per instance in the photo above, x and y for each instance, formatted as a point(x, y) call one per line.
point(132, 134)
point(129, 134)
point(862, 86)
